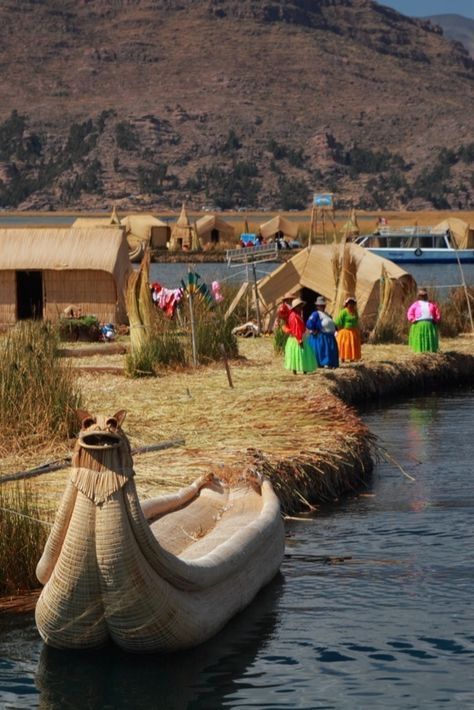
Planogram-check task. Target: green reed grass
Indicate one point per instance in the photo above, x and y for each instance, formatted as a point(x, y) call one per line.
point(169, 344)
point(38, 393)
point(22, 538)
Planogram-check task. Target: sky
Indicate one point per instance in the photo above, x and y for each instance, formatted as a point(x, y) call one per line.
point(421, 8)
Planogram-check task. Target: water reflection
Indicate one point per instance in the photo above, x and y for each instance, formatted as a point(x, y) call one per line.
point(202, 677)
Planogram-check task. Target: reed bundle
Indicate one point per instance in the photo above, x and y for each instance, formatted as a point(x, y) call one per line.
point(139, 305)
point(38, 391)
point(345, 266)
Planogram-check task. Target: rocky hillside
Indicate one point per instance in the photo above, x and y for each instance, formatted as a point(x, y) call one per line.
point(247, 103)
point(456, 28)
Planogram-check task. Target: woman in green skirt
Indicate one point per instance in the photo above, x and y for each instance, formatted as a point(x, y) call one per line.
point(299, 355)
point(424, 317)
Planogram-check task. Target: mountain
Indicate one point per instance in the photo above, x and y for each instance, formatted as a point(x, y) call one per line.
point(456, 28)
point(252, 103)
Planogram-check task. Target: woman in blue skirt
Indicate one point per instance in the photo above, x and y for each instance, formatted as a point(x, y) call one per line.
point(322, 335)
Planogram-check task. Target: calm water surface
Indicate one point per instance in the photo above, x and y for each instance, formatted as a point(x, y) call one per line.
point(391, 627)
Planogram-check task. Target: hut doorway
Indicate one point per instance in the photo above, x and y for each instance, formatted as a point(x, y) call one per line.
point(215, 236)
point(309, 297)
point(29, 294)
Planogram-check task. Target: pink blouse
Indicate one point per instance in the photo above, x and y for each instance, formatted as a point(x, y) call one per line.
point(424, 310)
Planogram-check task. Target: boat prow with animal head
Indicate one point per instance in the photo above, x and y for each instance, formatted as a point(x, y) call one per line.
point(159, 576)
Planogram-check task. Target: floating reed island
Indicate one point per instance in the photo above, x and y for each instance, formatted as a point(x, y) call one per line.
point(303, 432)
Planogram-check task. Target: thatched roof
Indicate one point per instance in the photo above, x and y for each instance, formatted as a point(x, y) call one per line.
point(461, 232)
point(140, 224)
point(278, 224)
point(97, 249)
point(314, 268)
point(182, 230)
point(211, 221)
point(112, 221)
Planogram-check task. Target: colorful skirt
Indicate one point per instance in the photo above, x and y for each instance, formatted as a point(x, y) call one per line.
point(297, 358)
point(325, 349)
point(423, 337)
point(348, 343)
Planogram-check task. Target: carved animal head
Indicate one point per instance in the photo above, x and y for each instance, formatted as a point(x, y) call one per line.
point(100, 433)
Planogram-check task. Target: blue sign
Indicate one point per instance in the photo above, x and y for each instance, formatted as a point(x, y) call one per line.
point(323, 199)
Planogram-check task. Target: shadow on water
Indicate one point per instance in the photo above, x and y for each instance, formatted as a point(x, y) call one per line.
point(110, 679)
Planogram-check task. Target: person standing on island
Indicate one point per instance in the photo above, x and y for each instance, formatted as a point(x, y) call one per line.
point(348, 332)
point(424, 316)
point(322, 335)
point(299, 356)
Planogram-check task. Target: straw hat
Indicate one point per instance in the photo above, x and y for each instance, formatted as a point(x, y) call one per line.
point(320, 301)
point(288, 295)
point(350, 299)
point(422, 292)
point(297, 302)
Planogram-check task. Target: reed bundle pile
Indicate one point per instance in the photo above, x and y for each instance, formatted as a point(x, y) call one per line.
point(139, 305)
point(345, 267)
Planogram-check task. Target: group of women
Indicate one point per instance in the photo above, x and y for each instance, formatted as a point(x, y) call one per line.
point(324, 342)
point(321, 341)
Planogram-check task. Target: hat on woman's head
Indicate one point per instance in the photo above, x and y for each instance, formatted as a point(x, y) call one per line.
point(350, 299)
point(320, 301)
point(422, 292)
point(297, 302)
point(288, 295)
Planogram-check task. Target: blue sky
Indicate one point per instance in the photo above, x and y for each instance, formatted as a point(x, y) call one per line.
point(421, 8)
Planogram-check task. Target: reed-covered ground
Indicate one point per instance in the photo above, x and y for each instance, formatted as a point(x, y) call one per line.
point(292, 428)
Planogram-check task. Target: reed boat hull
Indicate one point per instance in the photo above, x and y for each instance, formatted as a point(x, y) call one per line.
point(162, 577)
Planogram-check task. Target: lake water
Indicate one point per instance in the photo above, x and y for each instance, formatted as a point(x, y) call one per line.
point(391, 627)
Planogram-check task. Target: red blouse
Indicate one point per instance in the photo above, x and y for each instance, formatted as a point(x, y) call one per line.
point(295, 326)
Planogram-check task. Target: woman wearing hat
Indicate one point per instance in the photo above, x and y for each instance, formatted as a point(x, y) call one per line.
point(348, 332)
point(322, 335)
point(299, 356)
point(424, 317)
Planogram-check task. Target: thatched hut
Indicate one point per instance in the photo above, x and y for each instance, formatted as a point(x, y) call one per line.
point(145, 227)
point(335, 271)
point(44, 271)
point(183, 235)
point(213, 232)
point(278, 228)
point(461, 233)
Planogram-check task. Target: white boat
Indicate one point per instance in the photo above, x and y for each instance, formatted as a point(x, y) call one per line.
point(416, 245)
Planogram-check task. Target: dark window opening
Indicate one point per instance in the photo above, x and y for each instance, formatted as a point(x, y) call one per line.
point(215, 236)
point(29, 295)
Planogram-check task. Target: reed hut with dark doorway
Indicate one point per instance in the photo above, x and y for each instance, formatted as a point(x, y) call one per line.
point(183, 234)
point(147, 228)
point(214, 233)
point(45, 271)
point(336, 271)
point(278, 228)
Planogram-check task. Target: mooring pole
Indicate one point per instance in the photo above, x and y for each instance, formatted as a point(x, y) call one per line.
point(191, 317)
point(257, 304)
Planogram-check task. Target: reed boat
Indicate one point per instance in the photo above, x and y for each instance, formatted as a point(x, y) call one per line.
point(136, 249)
point(162, 575)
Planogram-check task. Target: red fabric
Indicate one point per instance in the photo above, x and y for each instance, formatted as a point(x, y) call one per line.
point(283, 312)
point(295, 326)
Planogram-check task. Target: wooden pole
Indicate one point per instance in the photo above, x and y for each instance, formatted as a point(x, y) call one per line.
point(66, 462)
point(227, 367)
point(191, 318)
point(257, 304)
point(464, 285)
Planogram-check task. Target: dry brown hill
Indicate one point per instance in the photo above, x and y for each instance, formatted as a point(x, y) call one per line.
point(148, 102)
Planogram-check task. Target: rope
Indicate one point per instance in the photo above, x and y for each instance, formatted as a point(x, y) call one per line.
point(29, 517)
